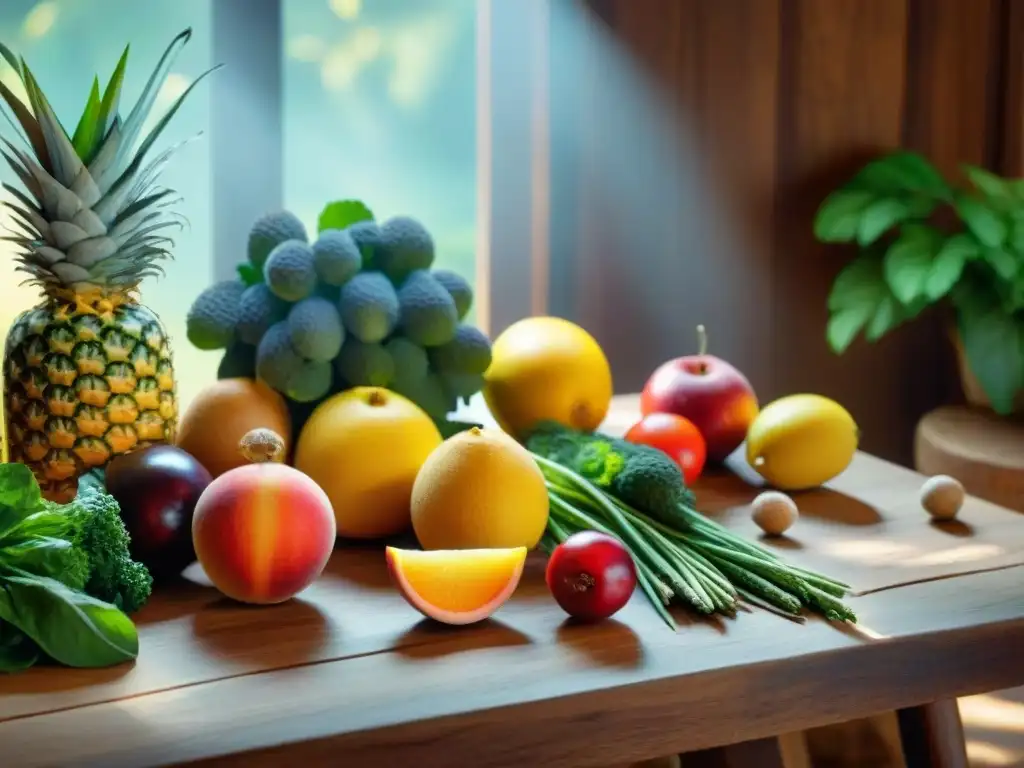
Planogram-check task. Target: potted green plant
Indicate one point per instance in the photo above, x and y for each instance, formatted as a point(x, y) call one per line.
point(908, 260)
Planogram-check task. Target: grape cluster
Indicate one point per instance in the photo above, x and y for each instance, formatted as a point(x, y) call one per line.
point(359, 306)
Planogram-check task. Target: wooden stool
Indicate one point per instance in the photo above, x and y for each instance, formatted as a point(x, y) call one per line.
point(983, 451)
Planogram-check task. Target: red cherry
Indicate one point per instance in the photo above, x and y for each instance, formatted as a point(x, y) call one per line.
point(591, 575)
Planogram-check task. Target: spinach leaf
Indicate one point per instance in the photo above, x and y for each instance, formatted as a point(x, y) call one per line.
point(17, 651)
point(48, 522)
point(69, 626)
point(44, 556)
point(19, 495)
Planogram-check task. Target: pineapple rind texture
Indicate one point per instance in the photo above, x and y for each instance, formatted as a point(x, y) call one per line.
point(83, 385)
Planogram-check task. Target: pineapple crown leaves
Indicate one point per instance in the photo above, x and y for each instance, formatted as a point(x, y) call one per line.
point(94, 212)
point(907, 263)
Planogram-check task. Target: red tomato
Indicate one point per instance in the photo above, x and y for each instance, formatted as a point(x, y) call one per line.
point(676, 436)
point(591, 575)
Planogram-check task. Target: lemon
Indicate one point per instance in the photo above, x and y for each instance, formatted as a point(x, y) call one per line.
point(479, 489)
point(364, 447)
point(547, 369)
point(801, 441)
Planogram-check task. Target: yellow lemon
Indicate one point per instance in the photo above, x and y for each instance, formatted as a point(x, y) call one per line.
point(801, 441)
point(479, 490)
point(546, 368)
point(364, 447)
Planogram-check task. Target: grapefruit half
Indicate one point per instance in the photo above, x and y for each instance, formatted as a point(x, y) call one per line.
point(456, 586)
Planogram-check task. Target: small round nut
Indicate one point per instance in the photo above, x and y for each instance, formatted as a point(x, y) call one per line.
point(774, 512)
point(942, 496)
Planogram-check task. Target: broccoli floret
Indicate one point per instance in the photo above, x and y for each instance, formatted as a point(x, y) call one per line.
point(369, 306)
point(361, 364)
point(310, 381)
point(411, 362)
point(406, 246)
point(269, 231)
point(468, 353)
point(289, 270)
point(315, 328)
point(367, 237)
point(210, 322)
point(258, 309)
point(96, 529)
point(458, 288)
point(239, 362)
point(638, 475)
point(336, 256)
point(276, 358)
point(427, 312)
point(430, 394)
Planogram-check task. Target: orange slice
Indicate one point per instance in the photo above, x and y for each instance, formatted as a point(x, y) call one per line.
point(456, 586)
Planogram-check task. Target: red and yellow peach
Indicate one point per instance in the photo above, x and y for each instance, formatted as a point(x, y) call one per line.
point(263, 532)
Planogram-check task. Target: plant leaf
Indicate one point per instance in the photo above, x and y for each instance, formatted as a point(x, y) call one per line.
point(17, 651)
point(982, 221)
point(71, 627)
point(885, 318)
point(112, 97)
point(137, 117)
point(119, 189)
point(908, 262)
point(19, 496)
point(249, 274)
point(38, 555)
point(86, 132)
point(995, 352)
point(880, 216)
point(29, 125)
point(859, 282)
point(65, 161)
point(988, 184)
point(844, 325)
point(343, 213)
point(898, 172)
point(949, 265)
point(1015, 240)
point(856, 293)
point(1004, 264)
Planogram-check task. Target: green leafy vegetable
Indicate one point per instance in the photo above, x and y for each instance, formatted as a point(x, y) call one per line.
point(65, 576)
point(692, 559)
point(639, 475)
point(342, 214)
point(17, 651)
point(69, 626)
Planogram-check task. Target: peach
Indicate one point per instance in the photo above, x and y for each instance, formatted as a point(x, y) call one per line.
point(264, 531)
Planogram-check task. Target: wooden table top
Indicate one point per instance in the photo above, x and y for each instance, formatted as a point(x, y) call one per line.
point(351, 672)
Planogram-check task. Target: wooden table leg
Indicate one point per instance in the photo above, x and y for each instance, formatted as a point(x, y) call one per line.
point(762, 753)
point(932, 736)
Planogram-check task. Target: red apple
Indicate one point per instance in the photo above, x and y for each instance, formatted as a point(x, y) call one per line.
point(709, 392)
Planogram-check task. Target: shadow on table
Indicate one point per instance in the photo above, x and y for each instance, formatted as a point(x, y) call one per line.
point(608, 643)
point(834, 507)
point(429, 639)
point(40, 679)
point(299, 630)
point(954, 528)
point(362, 562)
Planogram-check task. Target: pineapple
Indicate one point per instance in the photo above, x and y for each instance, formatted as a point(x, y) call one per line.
point(88, 372)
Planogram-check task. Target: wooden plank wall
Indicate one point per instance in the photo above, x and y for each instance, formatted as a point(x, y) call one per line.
point(778, 102)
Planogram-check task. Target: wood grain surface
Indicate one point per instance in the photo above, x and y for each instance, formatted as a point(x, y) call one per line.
point(350, 670)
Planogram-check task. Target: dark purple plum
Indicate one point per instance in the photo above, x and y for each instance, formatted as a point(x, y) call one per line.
point(157, 488)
